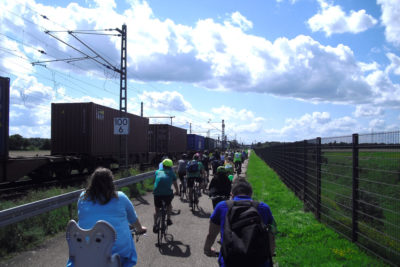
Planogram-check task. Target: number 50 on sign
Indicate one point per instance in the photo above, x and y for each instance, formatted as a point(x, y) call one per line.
point(121, 126)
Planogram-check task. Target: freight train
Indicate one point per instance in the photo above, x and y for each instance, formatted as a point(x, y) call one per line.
point(83, 138)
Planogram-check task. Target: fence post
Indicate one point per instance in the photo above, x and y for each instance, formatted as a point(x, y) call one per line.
point(355, 196)
point(304, 169)
point(318, 163)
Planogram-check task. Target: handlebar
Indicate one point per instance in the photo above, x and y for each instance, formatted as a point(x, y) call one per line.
point(134, 233)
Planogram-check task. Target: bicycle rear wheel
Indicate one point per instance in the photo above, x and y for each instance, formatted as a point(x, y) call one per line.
point(159, 232)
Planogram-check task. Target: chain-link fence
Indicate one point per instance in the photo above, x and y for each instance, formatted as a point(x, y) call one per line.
point(351, 183)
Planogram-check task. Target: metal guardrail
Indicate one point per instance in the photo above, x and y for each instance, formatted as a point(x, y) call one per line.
point(26, 211)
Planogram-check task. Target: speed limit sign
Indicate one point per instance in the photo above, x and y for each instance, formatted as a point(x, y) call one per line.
point(121, 126)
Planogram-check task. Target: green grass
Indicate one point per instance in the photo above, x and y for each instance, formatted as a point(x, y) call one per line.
point(30, 233)
point(301, 240)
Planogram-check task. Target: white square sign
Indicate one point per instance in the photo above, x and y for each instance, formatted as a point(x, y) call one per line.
point(121, 126)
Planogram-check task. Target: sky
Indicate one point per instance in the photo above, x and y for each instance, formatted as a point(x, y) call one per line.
point(273, 70)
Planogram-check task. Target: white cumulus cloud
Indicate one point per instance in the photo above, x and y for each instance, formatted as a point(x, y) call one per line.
point(333, 20)
point(390, 19)
point(165, 101)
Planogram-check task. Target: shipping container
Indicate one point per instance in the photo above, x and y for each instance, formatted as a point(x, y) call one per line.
point(195, 142)
point(4, 110)
point(164, 138)
point(88, 129)
point(209, 144)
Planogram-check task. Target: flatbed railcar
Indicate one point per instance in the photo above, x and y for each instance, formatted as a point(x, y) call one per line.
point(82, 138)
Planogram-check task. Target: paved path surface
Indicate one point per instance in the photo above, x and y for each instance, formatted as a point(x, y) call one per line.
point(187, 236)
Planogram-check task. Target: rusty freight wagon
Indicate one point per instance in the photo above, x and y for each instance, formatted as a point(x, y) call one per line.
point(168, 140)
point(86, 130)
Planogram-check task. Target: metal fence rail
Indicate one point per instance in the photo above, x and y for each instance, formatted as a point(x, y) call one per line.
point(26, 211)
point(350, 183)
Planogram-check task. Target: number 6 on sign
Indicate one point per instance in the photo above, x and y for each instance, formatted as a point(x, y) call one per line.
point(121, 126)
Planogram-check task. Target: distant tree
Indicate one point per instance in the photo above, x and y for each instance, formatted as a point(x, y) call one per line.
point(46, 145)
point(16, 142)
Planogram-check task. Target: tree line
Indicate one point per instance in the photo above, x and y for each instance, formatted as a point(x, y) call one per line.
point(17, 142)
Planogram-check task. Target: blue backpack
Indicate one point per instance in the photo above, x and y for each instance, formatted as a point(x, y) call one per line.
point(193, 166)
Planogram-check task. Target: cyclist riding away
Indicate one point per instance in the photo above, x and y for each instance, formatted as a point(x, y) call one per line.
point(205, 161)
point(194, 170)
point(162, 191)
point(220, 186)
point(182, 168)
point(237, 159)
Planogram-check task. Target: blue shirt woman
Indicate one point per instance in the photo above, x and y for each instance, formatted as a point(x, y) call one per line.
point(101, 202)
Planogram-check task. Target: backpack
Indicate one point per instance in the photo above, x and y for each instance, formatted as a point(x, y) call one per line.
point(246, 237)
point(193, 166)
point(181, 166)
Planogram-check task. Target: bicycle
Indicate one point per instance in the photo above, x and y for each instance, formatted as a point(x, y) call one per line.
point(238, 167)
point(162, 225)
point(195, 196)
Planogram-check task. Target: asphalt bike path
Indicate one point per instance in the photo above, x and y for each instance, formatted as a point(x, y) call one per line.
point(185, 247)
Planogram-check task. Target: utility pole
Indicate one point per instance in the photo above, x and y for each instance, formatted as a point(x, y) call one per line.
point(123, 141)
point(102, 61)
point(223, 135)
point(141, 109)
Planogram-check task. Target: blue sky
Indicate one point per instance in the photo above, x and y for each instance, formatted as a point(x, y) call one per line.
point(275, 70)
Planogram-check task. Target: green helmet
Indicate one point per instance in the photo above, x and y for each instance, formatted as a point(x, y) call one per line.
point(167, 163)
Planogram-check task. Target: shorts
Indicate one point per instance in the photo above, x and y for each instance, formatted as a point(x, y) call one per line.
point(158, 200)
point(190, 181)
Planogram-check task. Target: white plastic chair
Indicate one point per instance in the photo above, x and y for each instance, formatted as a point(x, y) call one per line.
point(92, 247)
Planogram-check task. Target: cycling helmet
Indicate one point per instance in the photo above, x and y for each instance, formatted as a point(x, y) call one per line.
point(167, 163)
point(196, 156)
point(221, 169)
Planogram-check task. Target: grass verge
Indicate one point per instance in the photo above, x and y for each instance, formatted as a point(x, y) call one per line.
point(302, 240)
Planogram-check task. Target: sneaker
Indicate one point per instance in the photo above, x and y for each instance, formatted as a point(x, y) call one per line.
point(155, 229)
point(169, 222)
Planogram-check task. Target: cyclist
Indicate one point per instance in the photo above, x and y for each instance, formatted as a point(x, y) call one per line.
point(194, 170)
point(220, 186)
point(162, 191)
point(229, 166)
point(205, 161)
point(216, 162)
point(182, 168)
point(244, 155)
point(237, 159)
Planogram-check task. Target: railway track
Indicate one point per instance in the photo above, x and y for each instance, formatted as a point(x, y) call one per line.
point(15, 190)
